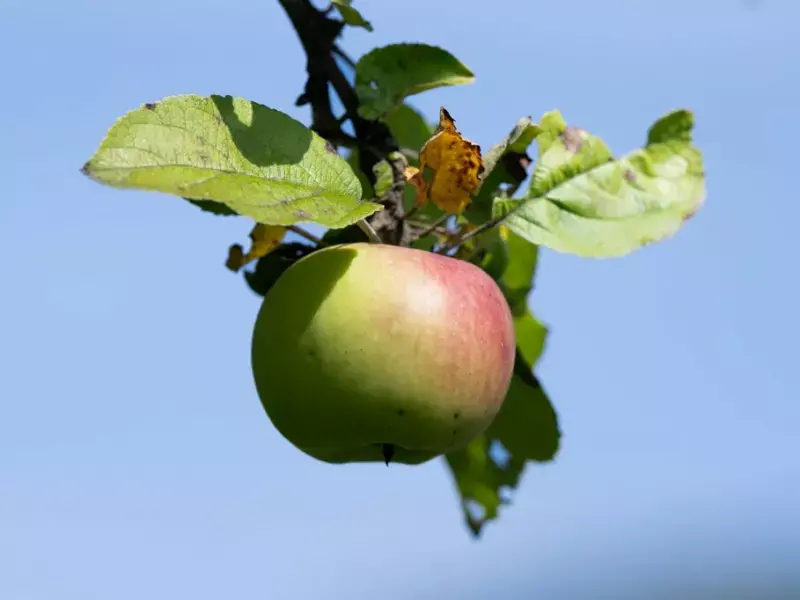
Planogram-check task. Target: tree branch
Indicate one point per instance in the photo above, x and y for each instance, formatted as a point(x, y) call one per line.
point(374, 141)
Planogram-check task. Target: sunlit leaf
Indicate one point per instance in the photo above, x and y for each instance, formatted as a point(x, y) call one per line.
point(531, 335)
point(259, 162)
point(350, 15)
point(384, 176)
point(505, 162)
point(389, 74)
point(582, 202)
point(564, 153)
point(456, 164)
point(517, 278)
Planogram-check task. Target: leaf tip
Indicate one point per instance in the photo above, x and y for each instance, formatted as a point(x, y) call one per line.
point(675, 125)
point(235, 259)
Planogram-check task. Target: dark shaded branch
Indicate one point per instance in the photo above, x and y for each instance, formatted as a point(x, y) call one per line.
point(373, 140)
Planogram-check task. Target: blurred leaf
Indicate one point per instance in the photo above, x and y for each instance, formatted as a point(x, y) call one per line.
point(516, 281)
point(425, 243)
point(387, 75)
point(495, 260)
point(531, 336)
point(581, 203)
point(564, 153)
point(505, 162)
point(409, 128)
point(270, 267)
point(527, 425)
point(350, 15)
point(480, 479)
point(526, 428)
point(517, 278)
point(367, 191)
point(259, 162)
point(216, 208)
point(489, 468)
point(384, 177)
point(347, 235)
point(264, 239)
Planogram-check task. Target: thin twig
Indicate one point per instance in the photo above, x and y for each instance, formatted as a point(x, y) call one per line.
point(471, 234)
point(369, 231)
point(434, 226)
point(309, 236)
point(343, 55)
point(424, 225)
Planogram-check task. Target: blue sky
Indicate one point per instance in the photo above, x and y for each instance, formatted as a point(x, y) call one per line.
point(135, 459)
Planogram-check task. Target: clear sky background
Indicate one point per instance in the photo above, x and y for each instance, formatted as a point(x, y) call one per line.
point(135, 459)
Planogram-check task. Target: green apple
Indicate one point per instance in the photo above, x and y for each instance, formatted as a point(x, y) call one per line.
point(371, 352)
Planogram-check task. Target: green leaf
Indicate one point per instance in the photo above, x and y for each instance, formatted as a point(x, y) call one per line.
point(582, 202)
point(517, 284)
point(351, 234)
point(491, 465)
point(516, 142)
point(350, 15)
point(389, 74)
point(564, 152)
point(216, 208)
point(409, 128)
point(384, 177)
point(492, 253)
point(259, 162)
point(270, 267)
point(367, 190)
point(480, 479)
point(517, 279)
point(531, 336)
point(505, 162)
point(676, 126)
point(527, 425)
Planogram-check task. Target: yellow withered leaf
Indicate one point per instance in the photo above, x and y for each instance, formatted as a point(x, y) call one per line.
point(264, 239)
point(414, 177)
point(456, 164)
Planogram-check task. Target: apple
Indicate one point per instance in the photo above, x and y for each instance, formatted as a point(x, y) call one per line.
point(371, 352)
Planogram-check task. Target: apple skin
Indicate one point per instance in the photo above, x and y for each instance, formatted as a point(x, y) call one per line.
point(363, 349)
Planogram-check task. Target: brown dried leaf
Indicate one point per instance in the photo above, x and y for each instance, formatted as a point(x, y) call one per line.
point(456, 164)
point(264, 239)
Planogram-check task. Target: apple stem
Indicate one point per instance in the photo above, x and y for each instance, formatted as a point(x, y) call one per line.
point(369, 231)
point(388, 452)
